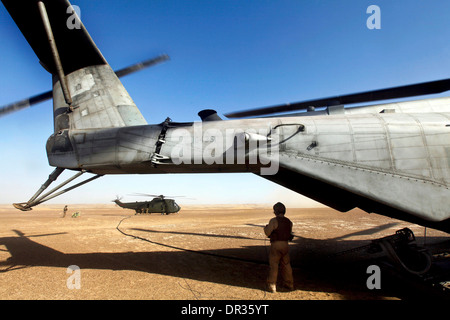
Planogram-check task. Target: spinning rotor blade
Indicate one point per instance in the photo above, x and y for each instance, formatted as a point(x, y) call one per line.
point(419, 89)
point(25, 103)
point(155, 195)
point(144, 195)
point(141, 65)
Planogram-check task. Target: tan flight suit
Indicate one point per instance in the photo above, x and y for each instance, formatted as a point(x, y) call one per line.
point(279, 230)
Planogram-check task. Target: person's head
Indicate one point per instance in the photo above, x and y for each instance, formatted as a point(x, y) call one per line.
point(279, 208)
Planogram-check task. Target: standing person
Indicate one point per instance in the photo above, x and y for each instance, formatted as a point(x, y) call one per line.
point(64, 211)
point(279, 230)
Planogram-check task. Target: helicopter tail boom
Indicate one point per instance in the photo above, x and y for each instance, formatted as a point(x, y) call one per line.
point(119, 203)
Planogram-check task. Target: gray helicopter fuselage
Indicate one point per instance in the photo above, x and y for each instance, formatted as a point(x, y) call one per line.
point(392, 158)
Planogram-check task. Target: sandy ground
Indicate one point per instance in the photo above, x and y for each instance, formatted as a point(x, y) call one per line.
point(201, 253)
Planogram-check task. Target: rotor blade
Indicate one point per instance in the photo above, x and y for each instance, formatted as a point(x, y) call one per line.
point(148, 195)
point(141, 65)
point(419, 89)
point(154, 195)
point(25, 103)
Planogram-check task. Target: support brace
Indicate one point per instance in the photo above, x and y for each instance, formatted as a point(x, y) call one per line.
point(34, 200)
point(56, 58)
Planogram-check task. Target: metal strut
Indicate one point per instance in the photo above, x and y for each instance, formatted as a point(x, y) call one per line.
point(56, 58)
point(35, 199)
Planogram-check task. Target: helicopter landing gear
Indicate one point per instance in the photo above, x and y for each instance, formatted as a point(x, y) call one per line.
point(403, 252)
point(35, 199)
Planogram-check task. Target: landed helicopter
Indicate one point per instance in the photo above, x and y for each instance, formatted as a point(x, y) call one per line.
point(159, 204)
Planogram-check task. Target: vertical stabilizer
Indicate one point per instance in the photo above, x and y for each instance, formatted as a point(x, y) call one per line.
point(99, 100)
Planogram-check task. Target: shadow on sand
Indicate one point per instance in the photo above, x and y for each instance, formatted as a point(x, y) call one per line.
point(315, 268)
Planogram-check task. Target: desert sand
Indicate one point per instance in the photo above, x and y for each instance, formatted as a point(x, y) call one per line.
point(204, 252)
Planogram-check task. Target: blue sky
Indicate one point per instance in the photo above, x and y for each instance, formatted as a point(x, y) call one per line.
point(227, 55)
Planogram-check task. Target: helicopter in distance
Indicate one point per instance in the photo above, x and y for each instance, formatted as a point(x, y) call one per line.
point(159, 204)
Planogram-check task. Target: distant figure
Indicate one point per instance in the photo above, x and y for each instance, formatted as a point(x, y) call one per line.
point(64, 211)
point(279, 230)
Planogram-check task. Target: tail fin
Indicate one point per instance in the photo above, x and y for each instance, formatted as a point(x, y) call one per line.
point(120, 204)
point(86, 91)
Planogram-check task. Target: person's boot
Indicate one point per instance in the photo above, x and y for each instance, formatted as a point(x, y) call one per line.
point(271, 287)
